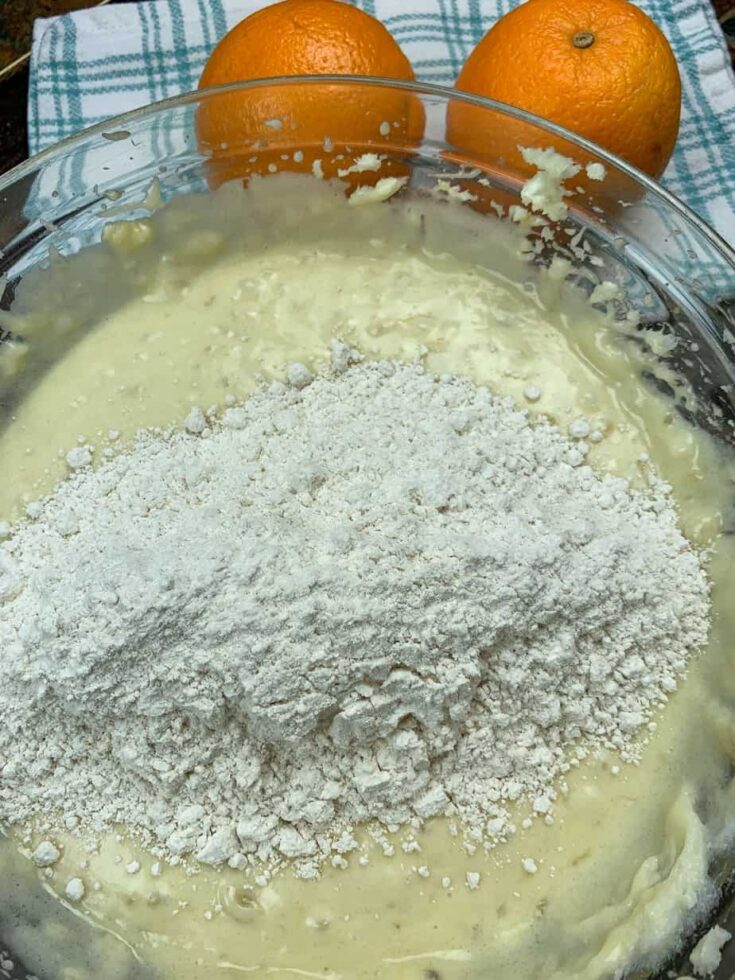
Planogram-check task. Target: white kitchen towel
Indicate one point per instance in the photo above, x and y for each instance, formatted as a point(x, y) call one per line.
point(92, 64)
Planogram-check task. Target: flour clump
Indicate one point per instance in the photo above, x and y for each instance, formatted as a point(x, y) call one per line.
point(366, 595)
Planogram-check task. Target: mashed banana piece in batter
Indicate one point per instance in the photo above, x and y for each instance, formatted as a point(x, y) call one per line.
point(203, 310)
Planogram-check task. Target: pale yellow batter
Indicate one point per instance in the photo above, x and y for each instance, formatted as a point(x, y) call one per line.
point(214, 292)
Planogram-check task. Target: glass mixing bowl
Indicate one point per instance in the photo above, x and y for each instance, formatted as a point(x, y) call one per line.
point(673, 270)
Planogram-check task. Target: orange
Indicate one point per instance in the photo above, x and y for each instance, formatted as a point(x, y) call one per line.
point(601, 68)
point(273, 127)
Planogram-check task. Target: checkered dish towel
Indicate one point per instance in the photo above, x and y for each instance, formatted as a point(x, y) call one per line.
point(93, 64)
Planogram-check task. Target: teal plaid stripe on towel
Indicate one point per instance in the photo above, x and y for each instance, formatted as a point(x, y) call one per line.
point(90, 65)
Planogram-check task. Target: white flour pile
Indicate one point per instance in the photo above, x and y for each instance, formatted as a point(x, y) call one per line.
point(371, 595)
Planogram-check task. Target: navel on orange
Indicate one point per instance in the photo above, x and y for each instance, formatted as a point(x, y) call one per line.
point(253, 131)
point(601, 68)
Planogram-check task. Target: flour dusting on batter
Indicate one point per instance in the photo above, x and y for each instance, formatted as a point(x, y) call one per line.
point(218, 292)
point(249, 636)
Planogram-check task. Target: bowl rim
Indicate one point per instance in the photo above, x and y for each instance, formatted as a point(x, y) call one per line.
point(726, 251)
point(28, 167)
